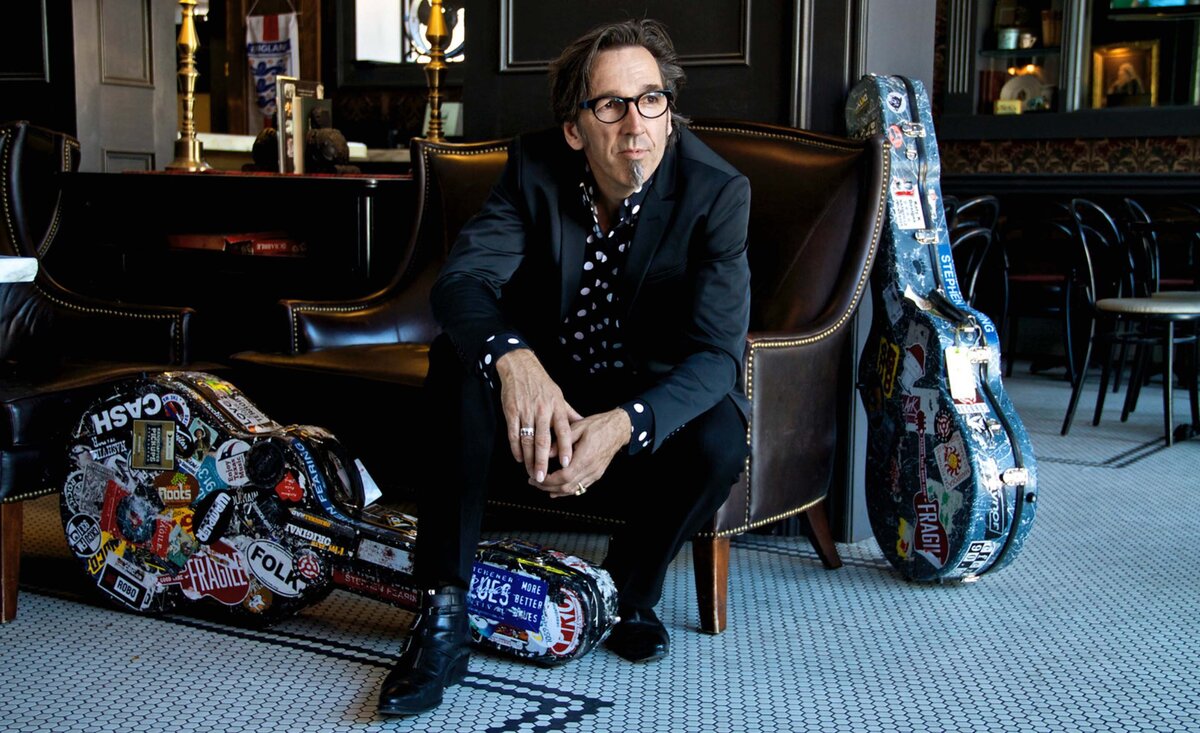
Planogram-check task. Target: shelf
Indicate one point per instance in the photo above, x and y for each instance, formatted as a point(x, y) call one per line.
point(1008, 53)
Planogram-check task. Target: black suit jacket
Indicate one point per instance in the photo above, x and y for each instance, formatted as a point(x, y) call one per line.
point(516, 266)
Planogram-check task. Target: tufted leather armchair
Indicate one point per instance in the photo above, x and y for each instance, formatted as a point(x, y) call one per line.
point(56, 347)
point(815, 221)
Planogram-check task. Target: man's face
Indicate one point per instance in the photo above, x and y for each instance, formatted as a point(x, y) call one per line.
point(622, 154)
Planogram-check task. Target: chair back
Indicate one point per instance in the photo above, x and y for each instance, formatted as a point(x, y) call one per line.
point(815, 222)
point(972, 250)
point(452, 181)
point(31, 159)
point(811, 196)
point(1143, 249)
point(1109, 264)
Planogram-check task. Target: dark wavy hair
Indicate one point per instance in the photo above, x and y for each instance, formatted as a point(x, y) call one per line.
point(570, 73)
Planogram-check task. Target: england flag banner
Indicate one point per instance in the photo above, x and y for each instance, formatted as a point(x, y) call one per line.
point(273, 49)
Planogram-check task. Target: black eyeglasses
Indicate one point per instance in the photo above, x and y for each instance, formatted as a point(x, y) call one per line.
point(610, 110)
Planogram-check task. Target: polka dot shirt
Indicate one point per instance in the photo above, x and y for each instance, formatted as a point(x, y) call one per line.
point(591, 332)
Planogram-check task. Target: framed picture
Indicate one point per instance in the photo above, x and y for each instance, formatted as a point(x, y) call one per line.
point(1125, 74)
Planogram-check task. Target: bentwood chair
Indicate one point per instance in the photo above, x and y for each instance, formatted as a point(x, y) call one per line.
point(58, 348)
point(1106, 279)
point(815, 221)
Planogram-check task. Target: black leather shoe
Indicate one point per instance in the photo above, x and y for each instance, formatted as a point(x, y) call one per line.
point(435, 657)
point(639, 637)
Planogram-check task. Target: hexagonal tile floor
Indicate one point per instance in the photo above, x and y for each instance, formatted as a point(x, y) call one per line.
point(1093, 628)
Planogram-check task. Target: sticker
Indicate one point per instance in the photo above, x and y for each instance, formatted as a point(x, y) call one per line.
point(569, 612)
point(209, 478)
point(943, 425)
point(315, 539)
point(906, 205)
point(972, 406)
point(311, 518)
point(388, 592)
point(153, 444)
point(203, 435)
point(111, 449)
point(76, 495)
point(216, 572)
point(308, 565)
point(919, 301)
point(258, 600)
point(507, 598)
point(83, 535)
point(275, 568)
point(896, 102)
point(135, 518)
point(160, 541)
point(913, 364)
point(917, 408)
point(176, 408)
point(289, 488)
point(385, 556)
point(111, 546)
point(887, 365)
point(126, 582)
point(978, 554)
point(959, 373)
point(997, 516)
point(231, 462)
point(113, 494)
point(952, 461)
point(371, 492)
point(213, 514)
point(176, 489)
point(895, 137)
point(904, 538)
point(929, 537)
point(893, 304)
point(119, 415)
point(246, 414)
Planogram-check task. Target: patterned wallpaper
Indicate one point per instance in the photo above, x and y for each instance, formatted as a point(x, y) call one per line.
point(1105, 155)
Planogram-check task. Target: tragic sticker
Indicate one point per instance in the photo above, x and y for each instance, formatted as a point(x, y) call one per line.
point(929, 538)
point(507, 598)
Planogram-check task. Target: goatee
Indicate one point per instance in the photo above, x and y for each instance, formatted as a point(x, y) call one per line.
point(638, 174)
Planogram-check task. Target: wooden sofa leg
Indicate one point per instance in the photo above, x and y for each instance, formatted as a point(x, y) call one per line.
point(711, 559)
point(10, 558)
point(821, 536)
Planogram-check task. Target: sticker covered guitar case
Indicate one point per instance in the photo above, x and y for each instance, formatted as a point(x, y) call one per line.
point(950, 477)
point(178, 490)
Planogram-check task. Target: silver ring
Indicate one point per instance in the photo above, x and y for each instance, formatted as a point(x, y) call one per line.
point(526, 432)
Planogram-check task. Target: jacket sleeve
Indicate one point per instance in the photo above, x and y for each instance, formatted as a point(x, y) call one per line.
point(715, 331)
point(466, 296)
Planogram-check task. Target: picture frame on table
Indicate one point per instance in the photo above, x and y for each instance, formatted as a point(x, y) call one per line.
point(1125, 74)
point(296, 99)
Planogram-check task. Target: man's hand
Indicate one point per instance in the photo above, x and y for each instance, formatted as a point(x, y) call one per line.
point(531, 399)
point(597, 440)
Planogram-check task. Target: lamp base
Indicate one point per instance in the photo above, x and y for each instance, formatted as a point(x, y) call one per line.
point(189, 156)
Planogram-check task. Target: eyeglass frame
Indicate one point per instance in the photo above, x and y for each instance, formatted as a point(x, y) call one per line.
point(635, 101)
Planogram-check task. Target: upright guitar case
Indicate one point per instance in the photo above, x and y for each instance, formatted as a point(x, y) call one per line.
point(178, 490)
point(950, 478)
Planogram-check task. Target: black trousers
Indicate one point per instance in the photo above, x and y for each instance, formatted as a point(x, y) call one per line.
point(663, 497)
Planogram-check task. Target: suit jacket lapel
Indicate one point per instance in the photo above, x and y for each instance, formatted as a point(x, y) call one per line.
point(574, 226)
point(656, 212)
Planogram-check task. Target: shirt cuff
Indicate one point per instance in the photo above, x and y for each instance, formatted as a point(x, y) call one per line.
point(494, 347)
point(641, 421)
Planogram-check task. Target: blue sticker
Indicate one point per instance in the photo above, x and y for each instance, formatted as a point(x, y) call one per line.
point(507, 598)
point(208, 477)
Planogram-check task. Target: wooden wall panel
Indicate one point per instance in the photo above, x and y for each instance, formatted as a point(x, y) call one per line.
point(125, 43)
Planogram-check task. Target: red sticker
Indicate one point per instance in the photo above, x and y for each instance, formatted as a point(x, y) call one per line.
point(289, 489)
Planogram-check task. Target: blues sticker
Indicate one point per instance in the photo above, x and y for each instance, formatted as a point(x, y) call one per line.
point(516, 600)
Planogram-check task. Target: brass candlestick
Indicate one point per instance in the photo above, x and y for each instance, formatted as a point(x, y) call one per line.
point(435, 70)
point(189, 152)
